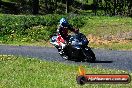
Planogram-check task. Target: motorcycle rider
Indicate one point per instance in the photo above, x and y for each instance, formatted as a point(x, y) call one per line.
point(63, 28)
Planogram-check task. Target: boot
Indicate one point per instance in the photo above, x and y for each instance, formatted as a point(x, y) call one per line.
point(61, 51)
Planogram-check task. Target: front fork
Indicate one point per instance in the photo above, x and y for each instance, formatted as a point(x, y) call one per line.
point(85, 50)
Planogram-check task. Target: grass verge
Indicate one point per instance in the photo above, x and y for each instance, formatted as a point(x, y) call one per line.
point(113, 46)
point(16, 43)
point(21, 72)
point(35, 30)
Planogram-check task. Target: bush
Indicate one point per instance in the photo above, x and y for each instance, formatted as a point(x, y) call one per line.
point(17, 28)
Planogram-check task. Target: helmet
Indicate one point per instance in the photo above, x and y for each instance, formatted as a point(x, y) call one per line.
point(63, 22)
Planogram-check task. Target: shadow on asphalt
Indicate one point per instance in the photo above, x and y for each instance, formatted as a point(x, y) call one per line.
point(103, 62)
point(94, 62)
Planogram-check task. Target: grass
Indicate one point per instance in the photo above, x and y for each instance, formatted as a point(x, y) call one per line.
point(35, 30)
point(22, 72)
point(35, 43)
point(102, 25)
point(109, 28)
point(113, 46)
point(28, 28)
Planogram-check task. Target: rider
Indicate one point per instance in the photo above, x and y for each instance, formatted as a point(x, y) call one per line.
point(63, 28)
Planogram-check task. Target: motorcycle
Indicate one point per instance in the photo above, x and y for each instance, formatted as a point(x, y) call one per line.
point(75, 48)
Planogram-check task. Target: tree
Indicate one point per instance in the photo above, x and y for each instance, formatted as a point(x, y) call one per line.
point(67, 6)
point(55, 4)
point(130, 8)
point(0, 3)
point(95, 6)
point(35, 4)
point(115, 7)
point(46, 5)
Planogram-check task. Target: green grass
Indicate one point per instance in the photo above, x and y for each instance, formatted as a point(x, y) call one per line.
point(108, 27)
point(22, 72)
point(102, 25)
point(28, 28)
point(113, 46)
point(35, 30)
point(35, 43)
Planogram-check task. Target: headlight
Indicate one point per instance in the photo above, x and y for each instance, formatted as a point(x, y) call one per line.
point(80, 43)
point(77, 47)
point(74, 43)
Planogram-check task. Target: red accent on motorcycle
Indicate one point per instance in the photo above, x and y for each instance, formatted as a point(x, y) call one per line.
point(60, 39)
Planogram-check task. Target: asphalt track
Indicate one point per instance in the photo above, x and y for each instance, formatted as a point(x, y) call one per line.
point(121, 60)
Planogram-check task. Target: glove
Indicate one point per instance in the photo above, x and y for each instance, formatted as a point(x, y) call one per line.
point(76, 31)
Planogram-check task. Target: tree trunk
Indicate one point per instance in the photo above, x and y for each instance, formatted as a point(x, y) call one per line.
point(95, 5)
point(0, 3)
point(46, 5)
point(130, 8)
point(106, 7)
point(121, 7)
point(87, 1)
point(35, 7)
point(67, 6)
point(55, 5)
point(115, 2)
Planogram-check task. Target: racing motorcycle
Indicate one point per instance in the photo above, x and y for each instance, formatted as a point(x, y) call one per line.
point(75, 48)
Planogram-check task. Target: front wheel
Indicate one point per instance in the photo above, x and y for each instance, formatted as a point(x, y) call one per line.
point(63, 54)
point(65, 57)
point(89, 54)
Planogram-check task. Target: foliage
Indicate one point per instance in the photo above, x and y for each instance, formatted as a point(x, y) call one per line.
point(31, 28)
point(96, 7)
point(77, 21)
point(36, 30)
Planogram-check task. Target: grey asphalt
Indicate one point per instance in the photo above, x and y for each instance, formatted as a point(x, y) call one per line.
point(121, 60)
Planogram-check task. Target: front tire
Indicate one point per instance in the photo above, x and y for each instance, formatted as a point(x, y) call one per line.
point(63, 54)
point(89, 54)
point(65, 57)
